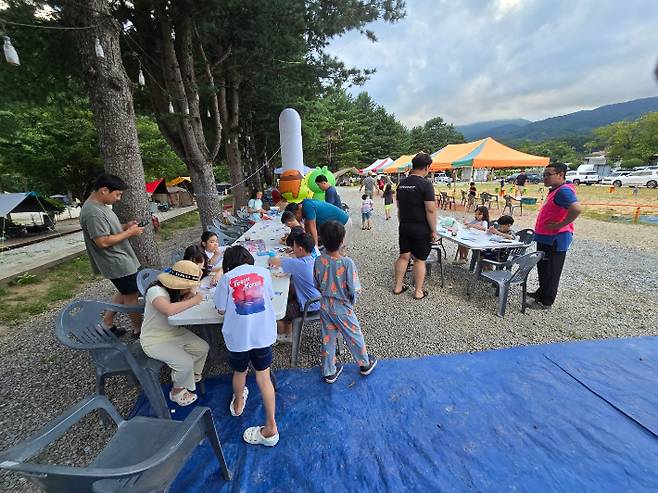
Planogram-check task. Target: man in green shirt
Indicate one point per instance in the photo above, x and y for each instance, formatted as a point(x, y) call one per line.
point(110, 253)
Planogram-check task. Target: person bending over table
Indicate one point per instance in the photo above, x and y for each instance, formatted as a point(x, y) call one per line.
point(315, 213)
point(417, 218)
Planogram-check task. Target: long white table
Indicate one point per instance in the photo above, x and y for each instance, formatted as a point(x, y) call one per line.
point(205, 313)
point(477, 241)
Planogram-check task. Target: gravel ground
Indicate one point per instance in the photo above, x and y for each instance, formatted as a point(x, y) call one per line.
point(609, 289)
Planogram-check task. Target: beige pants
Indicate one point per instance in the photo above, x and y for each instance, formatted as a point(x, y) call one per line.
point(185, 354)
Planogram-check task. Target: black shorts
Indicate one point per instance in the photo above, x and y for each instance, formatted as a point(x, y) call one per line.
point(126, 284)
point(292, 310)
point(416, 240)
point(261, 358)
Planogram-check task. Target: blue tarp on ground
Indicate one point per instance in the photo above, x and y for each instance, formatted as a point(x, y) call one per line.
point(561, 417)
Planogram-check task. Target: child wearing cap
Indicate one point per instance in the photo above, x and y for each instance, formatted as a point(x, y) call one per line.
point(244, 296)
point(184, 352)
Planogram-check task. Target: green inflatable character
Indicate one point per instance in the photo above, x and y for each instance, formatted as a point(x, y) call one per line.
point(318, 193)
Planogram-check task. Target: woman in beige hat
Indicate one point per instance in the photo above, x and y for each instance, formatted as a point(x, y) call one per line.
point(184, 352)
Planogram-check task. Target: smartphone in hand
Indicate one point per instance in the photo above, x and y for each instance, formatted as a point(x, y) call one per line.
point(142, 224)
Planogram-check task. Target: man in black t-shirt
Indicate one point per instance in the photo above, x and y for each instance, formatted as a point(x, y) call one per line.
point(521, 178)
point(417, 216)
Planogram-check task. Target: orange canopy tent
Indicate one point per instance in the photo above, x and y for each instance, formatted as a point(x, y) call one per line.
point(400, 164)
point(484, 153)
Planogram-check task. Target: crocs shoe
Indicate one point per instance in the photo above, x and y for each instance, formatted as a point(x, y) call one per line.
point(245, 394)
point(183, 398)
point(254, 436)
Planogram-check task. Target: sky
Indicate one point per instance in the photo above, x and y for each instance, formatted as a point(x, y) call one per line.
point(478, 60)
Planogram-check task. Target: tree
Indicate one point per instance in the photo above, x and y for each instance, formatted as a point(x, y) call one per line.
point(434, 135)
point(112, 106)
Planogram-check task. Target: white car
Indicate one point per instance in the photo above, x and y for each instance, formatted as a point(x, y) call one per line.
point(645, 178)
point(610, 179)
point(585, 177)
point(442, 178)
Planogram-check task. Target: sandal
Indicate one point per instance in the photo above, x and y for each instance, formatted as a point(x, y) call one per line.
point(254, 436)
point(245, 394)
point(404, 288)
point(183, 398)
point(425, 293)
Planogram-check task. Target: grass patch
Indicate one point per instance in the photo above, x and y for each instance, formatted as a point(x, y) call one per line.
point(187, 220)
point(19, 300)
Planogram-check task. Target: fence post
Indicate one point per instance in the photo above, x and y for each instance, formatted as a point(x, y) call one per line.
point(636, 215)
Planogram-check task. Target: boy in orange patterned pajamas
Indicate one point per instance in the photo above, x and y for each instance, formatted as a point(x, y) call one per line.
point(338, 282)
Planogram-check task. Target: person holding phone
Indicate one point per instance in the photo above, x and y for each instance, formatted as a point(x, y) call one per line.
point(109, 250)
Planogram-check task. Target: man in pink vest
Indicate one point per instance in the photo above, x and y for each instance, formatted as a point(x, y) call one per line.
point(554, 232)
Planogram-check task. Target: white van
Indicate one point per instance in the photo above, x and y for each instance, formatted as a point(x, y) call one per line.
point(585, 177)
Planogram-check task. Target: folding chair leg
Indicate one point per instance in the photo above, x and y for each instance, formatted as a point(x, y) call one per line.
point(211, 435)
point(502, 299)
point(153, 391)
point(296, 341)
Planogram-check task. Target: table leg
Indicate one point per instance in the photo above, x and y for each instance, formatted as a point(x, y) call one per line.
point(475, 268)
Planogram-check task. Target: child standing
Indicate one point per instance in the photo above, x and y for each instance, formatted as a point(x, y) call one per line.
point(388, 200)
point(244, 295)
point(184, 352)
point(479, 222)
point(366, 211)
point(337, 280)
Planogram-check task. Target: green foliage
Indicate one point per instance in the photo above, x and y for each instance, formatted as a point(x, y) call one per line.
point(433, 135)
point(160, 161)
point(634, 142)
point(341, 131)
point(559, 151)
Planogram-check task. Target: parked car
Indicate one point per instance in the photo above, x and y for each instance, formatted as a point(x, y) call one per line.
point(645, 178)
point(609, 180)
point(531, 178)
point(585, 177)
point(442, 178)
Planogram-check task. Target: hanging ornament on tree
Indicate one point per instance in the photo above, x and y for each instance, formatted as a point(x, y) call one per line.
point(10, 52)
point(171, 107)
point(208, 113)
point(187, 109)
point(99, 49)
point(140, 78)
point(229, 141)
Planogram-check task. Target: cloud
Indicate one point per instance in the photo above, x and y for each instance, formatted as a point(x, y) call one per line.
point(477, 60)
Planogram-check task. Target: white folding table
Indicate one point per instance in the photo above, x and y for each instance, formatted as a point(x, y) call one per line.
point(205, 316)
point(477, 241)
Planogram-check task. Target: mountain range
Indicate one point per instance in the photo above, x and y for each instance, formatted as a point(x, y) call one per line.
point(570, 125)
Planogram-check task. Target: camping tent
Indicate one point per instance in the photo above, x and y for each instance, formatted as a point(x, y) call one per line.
point(156, 186)
point(178, 197)
point(25, 202)
point(484, 153)
point(185, 180)
point(400, 164)
point(378, 165)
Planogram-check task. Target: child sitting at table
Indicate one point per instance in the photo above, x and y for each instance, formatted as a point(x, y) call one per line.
point(214, 252)
point(184, 352)
point(300, 268)
point(196, 254)
point(338, 283)
point(479, 222)
point(289, 219)
point(502, 228)
point(244, 296)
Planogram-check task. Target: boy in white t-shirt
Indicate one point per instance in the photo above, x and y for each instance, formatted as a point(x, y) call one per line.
point(244, 296)
point(366, 212)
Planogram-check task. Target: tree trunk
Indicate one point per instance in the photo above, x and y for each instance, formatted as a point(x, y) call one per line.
point(208, 203)
point(114, 117)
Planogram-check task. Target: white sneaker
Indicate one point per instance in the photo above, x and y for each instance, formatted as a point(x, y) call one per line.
point(284, 338)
